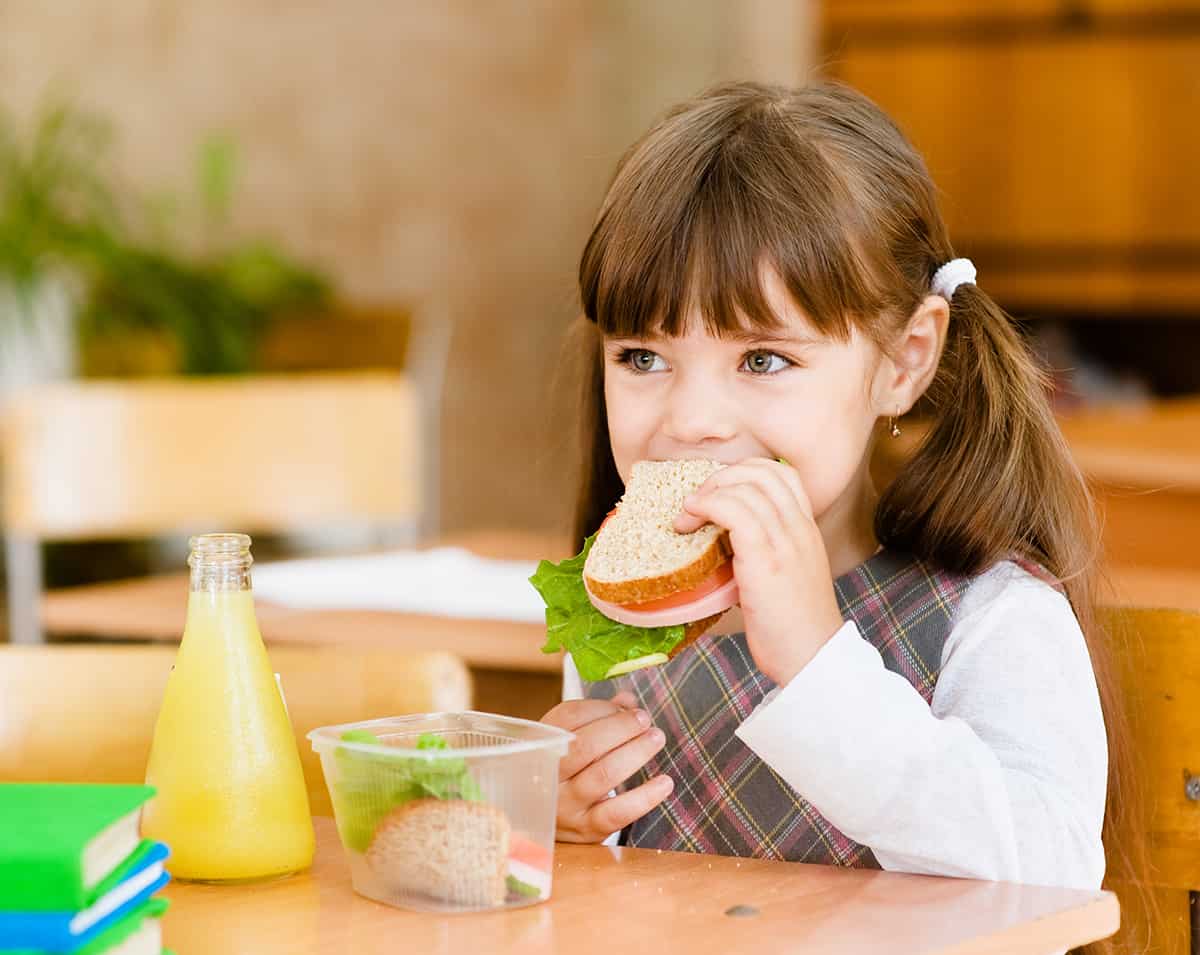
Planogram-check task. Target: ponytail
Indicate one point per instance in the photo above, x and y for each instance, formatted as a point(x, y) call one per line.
point(995, 478)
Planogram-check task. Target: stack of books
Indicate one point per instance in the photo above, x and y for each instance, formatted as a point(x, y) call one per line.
point(75, 876)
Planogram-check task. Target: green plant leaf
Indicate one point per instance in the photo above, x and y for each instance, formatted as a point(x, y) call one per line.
point(59, 210)
point(217, 171)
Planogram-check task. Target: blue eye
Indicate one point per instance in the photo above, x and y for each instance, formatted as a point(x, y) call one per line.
point(765, 363)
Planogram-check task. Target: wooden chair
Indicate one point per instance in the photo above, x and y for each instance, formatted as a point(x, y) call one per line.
point(1159, 667)
point(371, 337)
point(86, 713)
point(179, 455)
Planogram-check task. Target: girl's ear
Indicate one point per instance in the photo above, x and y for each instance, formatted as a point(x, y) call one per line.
point(912, 361)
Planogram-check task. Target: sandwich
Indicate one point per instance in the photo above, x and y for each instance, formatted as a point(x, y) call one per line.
point(424, 827)
point(639, 592)
point(455, 851)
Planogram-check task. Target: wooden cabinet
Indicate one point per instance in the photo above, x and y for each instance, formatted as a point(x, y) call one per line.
point(1064, 137)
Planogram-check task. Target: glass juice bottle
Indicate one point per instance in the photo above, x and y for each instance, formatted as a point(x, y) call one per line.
point(231, 801)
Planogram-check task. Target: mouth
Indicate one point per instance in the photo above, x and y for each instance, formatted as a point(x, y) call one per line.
point(725, 460)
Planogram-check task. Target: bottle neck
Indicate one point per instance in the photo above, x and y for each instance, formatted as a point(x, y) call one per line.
point(209, 578)
point(220, 563)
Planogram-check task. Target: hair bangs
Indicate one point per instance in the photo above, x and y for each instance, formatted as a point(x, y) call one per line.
point(687, 231)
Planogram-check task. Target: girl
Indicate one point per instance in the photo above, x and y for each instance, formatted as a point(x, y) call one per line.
point(907, 685)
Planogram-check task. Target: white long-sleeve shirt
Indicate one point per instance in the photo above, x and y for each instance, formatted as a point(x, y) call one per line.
point(1003, 777)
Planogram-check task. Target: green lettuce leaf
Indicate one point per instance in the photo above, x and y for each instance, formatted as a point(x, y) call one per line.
point(573, 624)
point(370, 785)
point(521, 889)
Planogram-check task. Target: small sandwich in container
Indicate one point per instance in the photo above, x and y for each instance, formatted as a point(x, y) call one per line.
point(445, 812)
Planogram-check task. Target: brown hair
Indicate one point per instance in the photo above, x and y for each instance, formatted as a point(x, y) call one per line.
point(818, 183)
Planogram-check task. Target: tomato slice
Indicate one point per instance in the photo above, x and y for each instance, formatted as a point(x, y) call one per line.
point(525, 850)
point(717, 579)
point(714, 581)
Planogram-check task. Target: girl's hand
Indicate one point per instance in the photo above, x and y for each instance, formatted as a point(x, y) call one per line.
point(779, 560)
point(613, 740)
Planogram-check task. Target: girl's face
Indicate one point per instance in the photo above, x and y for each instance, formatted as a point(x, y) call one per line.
point(791, 393)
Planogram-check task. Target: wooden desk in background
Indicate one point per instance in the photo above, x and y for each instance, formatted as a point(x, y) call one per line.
point(623, 900)
point(1144, 464)
point(510, 673)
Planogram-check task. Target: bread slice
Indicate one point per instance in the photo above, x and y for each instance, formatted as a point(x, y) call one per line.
point(452, 850)
point(638, 556)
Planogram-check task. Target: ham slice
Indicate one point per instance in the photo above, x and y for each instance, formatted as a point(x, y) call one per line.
point(710, 604)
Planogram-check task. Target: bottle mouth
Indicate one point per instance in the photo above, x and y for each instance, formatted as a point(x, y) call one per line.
point(219, 548)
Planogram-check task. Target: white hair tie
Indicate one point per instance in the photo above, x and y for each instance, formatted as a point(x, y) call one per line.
point(950, 276)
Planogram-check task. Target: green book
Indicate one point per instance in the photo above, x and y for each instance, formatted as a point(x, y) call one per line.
point(138, 933)
point(61, 842)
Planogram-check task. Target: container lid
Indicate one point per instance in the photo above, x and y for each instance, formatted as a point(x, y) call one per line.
point(525, 735)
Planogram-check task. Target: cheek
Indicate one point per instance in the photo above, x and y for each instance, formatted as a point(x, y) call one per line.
point(627, 426)
point(828, 440)
point(830, 471)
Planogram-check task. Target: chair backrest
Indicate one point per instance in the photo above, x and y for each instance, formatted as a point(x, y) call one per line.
point(86, 713)
point(372, 337)
point(266, 453)
point(1158, 656)
point(153, 457)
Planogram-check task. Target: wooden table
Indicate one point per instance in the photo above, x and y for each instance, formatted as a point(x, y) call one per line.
point(154, 608)
point(511, 675)
point(1144, 465)
point(622, 900)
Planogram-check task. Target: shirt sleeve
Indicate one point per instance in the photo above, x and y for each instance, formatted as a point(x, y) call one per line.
point(572, 683)
point(1002, 777)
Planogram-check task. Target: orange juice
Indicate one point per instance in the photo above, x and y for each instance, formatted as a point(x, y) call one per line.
point(231, 801)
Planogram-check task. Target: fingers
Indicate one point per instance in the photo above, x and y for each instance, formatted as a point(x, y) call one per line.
point(756, 531)
point(600, 737)
point(613, 741)
point(779, 481)
point(749, 533)
point(771, 491)
point(605, 774)
point(617, 813)
point(575, 714)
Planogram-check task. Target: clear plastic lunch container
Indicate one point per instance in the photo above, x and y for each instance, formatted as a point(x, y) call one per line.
point(445, 812)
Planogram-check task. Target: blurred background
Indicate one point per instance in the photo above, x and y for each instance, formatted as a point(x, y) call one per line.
point(241, 189)
point(303, 271)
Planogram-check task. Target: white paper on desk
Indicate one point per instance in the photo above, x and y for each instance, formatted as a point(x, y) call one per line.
point(444, 581)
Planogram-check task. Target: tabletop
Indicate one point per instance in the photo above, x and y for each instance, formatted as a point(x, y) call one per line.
point(154, 608)
point(1152, 444)
point(609, 900)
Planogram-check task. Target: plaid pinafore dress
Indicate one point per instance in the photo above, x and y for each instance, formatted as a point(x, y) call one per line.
point(728, 801)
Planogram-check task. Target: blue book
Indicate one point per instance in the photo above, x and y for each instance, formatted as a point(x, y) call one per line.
point(68, 931)
point(138, 933)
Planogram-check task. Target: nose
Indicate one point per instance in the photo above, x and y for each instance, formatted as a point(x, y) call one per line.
point(698, 412)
